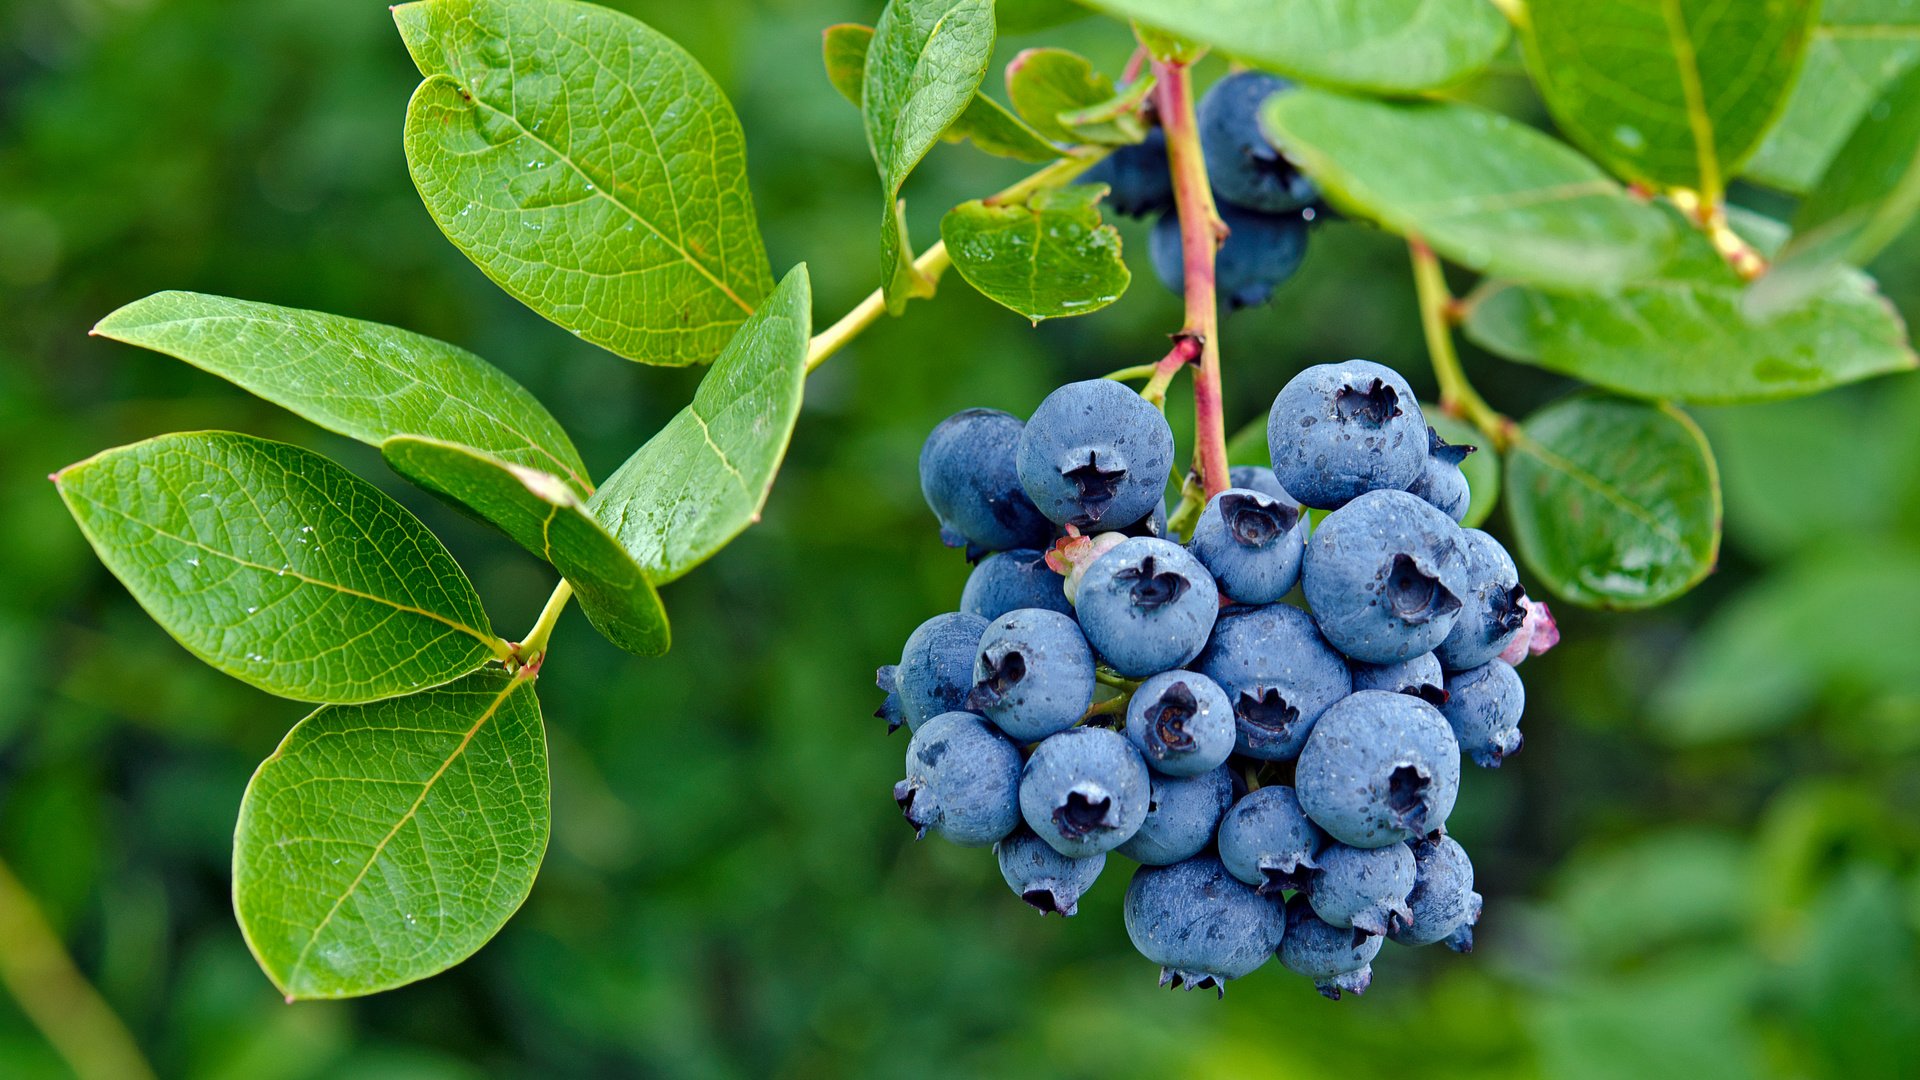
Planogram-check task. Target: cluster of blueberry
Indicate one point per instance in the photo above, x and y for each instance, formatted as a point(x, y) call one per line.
point(1265, 202)
point(1282, 778)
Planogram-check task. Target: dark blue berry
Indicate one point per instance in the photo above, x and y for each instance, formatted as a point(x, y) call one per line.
point(1279, 674)
point(1043, 877)
point(1493, 605)
point(1337, 431)
point(1379, 769)
point(963, 781)
point(1032, 674)
point(1443, 902)
point(1260, 253)
point(1334, 957)
point(1146, 606)
point(1365, 889)
point(1244, 166)
point(1009, 580)
point(968, 476)
point(935, 673)
point(1251, 543)
point(1385, 576)
point(1181, 722)
point(1420, 676)
point(1484, 706)
point(1199, 924)
point(1440, 481)
point(1266, 840)
point(1085, 791)
point(1137, 178)
point(1095, 452)
point(1182, 814)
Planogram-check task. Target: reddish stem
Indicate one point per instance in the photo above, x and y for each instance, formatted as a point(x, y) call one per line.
point(1134, 63)
point(1186, 350)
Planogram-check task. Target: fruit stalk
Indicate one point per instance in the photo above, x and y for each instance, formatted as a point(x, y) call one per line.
point(1457, 395)
point(1201, 232)
point(533, 649)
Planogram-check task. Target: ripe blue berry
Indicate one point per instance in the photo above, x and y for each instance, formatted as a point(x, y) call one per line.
point(1033, 674)
point(935, 673)
point(1443, 900)
point(1420, 676)
point(1200, 925)
point(1385, 577)
point(1260, 253)
point(1095, 452)
point(1043, 877)
point(1137, 178)
point(1279, 674)
point(1493, 605)
point(1009, 580)
point(1338, 431)
point(1146, 606)
point(1440, 481)
point(1461, 940)
point(1334, 957)
point(1365, 889)
point(1378, 769)
point(1251, 544)
point(1245, 168)
point(1182, 813)
point(1259, 478)
point(968, 476)
point(1484, 706)
point(1181, 722)
point(963, 781)
point(1267, 840)
point(1084, 791)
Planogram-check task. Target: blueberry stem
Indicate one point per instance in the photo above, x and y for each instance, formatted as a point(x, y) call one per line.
point(533, 648)
point(1186, 350)
point(1457, 395)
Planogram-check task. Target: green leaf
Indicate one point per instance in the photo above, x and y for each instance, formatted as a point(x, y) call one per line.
point(1614, 503)
point(547, 517)
point(1115, 121)
point(1683, 334)
point(1047, 84)
point(1858, 47)
point(1380, 46)
point(363, 380)
point(843, 49)
point(926, 62)
point(1484, 190)
point(704, 477)
point(1047, 259)
point(1670, 93)
point(1482, 467)
point(993, 130)
point(279, 567)
point(590, 167)
point(384, 843)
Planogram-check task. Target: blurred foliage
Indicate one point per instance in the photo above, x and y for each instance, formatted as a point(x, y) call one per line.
point(1706, 864)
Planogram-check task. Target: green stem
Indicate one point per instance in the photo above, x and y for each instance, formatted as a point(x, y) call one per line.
point(533, 649)
point(1128, 374)
point(1457, 395)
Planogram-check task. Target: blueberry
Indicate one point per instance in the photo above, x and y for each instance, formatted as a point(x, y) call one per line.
point(1334, 957)
point(1461, 940)
point(968, 476)
point(963, 781)
point(1443, 901)
point(1278, 672)
point(1267, 840)
point(1182, 813)
point(1009, 580)
point(1260, 253)
point(1181, 722)
point(1365, 889)
point(1340, 430)
point(1440, 481)
point(1379, 768)
point(935, 673)
point(1085, 791)
point(1147, 605)
point(1259, 478)
point(1245, 168)
point(1493, 605)
point(1137, 178)
point(1154, 525)
point(1386, 577)
point(1032, 674)
point(1095, 451)
point(1484, 706)
point(1251, 544)
point(1043, 877)
point(1420, 676)
point(1200, 925)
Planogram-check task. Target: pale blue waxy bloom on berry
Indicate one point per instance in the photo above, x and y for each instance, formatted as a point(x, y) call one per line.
point(1420, 676)
point(1181, 722)
point(968, 476)
point(1379, 769)
point(1009, 580)
point(1440, 481)
point(1242, 162)
point(1260, 253)
point(1338, 431)
point(1182, 814)
point(963, 781)
point(1251, 543)
point(1032, 674)
point(1259, 478)
point(1338, 960)
point(1043, 877)
point(1484, 706)
point(1386, 577)
point(1493, 605)
point(1365, 889)
point(1443, 902)
point(1199, 924)
point(1278, 673)
point(1137, 178)
point(1266, 840)
point(1461, 940)
point(1146, 606)
point(935, 673)
point(1094, 454)
point(1085, 791)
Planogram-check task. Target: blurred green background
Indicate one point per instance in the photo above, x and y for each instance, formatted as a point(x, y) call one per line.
point(1706, 863)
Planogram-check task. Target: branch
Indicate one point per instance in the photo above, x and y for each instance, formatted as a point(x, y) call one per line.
point(1457, 395)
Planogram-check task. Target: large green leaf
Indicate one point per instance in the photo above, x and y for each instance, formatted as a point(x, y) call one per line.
point(1045, 259)
point(1670, 93)
point(1045, 84)
point(384, 843)
point(1858, 47)
point(1482, 467)
point(1384, 46)
point(547, 517)
point(703, 478)
point(364, 380)
point(589, 166)
point(1684, 335)
point(1482, 189)
point(279, 567)
point(1614, 503)
point(922, 70)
